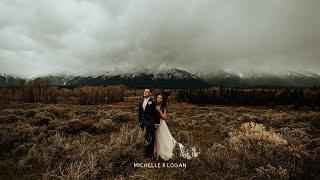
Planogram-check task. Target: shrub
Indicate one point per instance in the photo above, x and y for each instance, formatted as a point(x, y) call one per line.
point(83, 156)
point(42, 118)
point(105, 125)
point(76, 126)
point(271, 172)
point(10, 118)
point(253, 151)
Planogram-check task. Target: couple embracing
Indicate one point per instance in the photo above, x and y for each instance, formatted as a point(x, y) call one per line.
point(159, 142)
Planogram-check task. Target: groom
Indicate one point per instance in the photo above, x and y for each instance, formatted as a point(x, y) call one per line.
point(148, 120)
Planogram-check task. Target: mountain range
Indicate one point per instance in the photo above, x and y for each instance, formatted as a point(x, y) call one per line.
point(263, 80)
point(176, 78)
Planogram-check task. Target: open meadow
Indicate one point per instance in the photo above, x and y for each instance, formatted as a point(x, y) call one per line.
point(71, 141)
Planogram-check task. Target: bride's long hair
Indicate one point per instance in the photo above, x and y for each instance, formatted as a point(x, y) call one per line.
point(163, 104)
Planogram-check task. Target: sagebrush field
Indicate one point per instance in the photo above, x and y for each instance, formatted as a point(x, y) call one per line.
point(70, 141)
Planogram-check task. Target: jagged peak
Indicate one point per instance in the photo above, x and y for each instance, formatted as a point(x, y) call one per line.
point(175, 74)
point(7, 75)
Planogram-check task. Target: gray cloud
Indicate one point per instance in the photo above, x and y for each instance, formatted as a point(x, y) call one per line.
point(78, 36)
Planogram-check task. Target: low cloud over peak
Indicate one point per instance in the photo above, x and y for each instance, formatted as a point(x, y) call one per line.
point(80, 37)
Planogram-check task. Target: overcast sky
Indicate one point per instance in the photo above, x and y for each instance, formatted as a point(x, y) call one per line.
point(40, 37)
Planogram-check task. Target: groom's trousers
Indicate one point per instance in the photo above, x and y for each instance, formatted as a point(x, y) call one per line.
point(150, 139)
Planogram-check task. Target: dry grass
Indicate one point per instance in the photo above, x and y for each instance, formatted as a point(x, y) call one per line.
point(98, 141)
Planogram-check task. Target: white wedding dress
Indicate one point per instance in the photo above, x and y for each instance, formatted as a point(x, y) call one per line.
point(165, 143)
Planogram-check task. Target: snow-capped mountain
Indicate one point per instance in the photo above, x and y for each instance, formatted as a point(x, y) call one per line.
point(56, 80)
point(175, 74)
point(261, 79)
point(220, 77)
point(176, 78)
point(173, 78)
point(10, 80)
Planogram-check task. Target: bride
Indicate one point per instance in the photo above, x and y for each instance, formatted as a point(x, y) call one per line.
point(164, 142)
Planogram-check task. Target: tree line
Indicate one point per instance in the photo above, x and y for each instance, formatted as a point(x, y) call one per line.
point(236, 96)
point(40, 91)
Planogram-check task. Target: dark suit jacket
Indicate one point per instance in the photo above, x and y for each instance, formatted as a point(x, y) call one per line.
point(150, 116)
